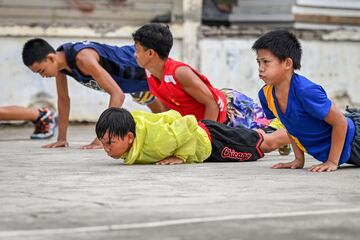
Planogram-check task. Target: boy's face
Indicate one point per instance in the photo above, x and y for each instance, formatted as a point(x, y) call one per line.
point(271, 69)
point(46, 68)
point(142, 55)
point(115, 147)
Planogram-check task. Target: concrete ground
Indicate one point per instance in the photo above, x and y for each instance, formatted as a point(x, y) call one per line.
point(83, 194)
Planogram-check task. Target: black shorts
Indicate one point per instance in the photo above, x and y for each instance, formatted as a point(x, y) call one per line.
point(231, 144)
point(355, 145)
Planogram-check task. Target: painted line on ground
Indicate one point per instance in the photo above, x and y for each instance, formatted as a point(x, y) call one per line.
point(175, 222)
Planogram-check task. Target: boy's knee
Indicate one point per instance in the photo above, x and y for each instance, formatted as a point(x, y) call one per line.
point(271, 146)
point(270, 143)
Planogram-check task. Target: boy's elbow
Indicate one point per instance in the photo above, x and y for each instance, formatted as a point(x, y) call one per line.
point(340, 123)
point(212, 105)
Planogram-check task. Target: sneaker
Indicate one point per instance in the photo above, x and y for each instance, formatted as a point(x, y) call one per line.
point(45, 125)
point(285, 150)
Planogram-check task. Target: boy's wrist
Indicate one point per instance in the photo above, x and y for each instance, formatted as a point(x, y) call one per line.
point(299, 162)
point(333, 162)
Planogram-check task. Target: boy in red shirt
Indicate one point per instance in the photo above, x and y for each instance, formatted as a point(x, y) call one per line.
point(176, 84)
point(182, 88)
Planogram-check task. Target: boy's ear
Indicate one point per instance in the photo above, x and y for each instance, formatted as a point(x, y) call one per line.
point(51, 57)
point(131, 137)
point(151, 52)
point(288, 63)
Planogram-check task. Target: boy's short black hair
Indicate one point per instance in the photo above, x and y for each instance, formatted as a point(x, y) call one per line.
point(155, 36)
point(118, 121)
point(36, 50)
point(282, 44)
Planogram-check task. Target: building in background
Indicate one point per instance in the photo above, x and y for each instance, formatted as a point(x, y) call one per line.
point(214, 36)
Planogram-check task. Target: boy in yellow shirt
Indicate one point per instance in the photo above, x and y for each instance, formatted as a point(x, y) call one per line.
point(169, 138)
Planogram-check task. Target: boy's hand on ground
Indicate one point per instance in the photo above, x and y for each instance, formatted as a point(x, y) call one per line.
point(328, 166)
point(91, 146)
point(296, 164)
point(59, 143)
point(95, 144)
point(170, 161)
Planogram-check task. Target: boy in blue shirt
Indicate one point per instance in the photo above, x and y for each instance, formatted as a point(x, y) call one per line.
point(102, 67)
point(313, 122)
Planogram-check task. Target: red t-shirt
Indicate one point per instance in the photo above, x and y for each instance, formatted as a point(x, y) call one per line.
point(171, 93)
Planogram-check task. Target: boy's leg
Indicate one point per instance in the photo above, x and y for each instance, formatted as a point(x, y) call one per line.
point(274, 140)
point(232, 144)
point(18, 113)
point(146, 98)
point(45, 124)
point(45, 121)
point(157, 106)
point(275, 125)
point(243, 111)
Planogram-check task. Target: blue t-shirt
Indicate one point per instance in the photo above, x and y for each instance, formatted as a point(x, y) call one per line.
point(307, 107)
point(119, 62)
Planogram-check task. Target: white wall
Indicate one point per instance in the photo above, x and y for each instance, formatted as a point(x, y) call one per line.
point(227, 62)
point(333, 64)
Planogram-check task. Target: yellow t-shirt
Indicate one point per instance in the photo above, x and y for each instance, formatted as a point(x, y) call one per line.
point(166, 134)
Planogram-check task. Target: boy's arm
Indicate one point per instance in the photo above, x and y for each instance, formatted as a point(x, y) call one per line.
point(339, 128)
point(64, 109)
point(184, 130)
point(299, 157)
point(196, 88)
point(181, 131)
point(87, 61)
